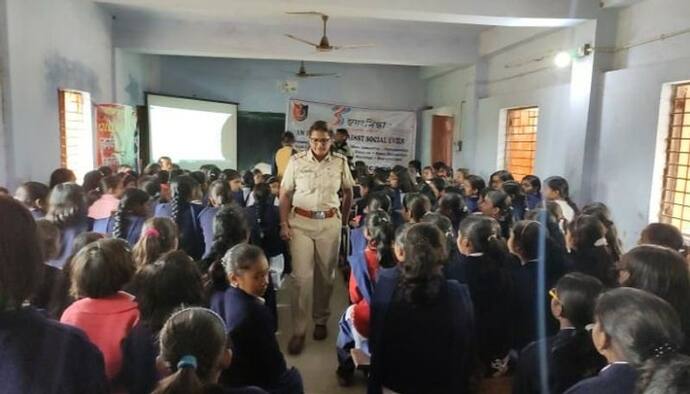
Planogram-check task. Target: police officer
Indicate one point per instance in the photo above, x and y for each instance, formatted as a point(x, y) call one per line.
point(311, 216)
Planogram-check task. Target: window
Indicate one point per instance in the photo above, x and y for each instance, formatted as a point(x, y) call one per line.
point(521, 141)
point(675, 200)
point(76, 131)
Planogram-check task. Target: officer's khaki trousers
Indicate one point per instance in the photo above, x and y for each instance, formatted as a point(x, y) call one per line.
point(314, 246)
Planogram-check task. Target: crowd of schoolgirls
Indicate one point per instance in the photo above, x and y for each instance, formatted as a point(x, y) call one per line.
point(461, 285)
point(161, 282)
point(165, 282)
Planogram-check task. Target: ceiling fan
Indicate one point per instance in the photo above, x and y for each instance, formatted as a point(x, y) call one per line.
point(324, 45)
point(302, 73)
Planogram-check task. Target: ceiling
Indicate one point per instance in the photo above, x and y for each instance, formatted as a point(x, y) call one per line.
point(404, 32)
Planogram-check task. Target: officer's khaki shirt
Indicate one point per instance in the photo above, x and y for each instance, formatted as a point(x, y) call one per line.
point(315, 184)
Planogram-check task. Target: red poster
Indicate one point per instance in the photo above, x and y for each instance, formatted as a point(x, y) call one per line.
point(116, 135)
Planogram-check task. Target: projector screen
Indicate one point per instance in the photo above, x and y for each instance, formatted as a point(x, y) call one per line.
point(192, 132)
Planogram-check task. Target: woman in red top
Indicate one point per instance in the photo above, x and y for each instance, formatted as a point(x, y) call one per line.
point(379, 233)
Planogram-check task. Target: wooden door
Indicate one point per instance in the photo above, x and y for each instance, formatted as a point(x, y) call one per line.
point(442, 139)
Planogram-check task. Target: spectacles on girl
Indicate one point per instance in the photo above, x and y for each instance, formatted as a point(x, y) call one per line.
point(322, 141)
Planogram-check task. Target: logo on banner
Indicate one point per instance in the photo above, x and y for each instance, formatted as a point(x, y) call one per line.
point(300, 111)
point(339, 111)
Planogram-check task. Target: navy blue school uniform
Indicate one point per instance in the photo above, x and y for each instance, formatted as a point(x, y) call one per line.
point(455, 268)
point(267, 237)
point(616, 378)
point(420, 349)
point(257, 359)
point(519, 210)
point(472, 204)
point(52, 296)
point(67, 235)
point(43, 356)
point(191, 237)
point(139, 351)
point(533, 200)
point(525, 280)
point(206, 217)
point(564, 369)
point(37, 213)
point(238, 197)
point(396, 196)
point(132, 231)
point(493, 294)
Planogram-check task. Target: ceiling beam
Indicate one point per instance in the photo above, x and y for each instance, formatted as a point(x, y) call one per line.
point(526, 13)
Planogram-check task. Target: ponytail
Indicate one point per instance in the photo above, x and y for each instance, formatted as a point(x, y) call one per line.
point(229, 229)
point(158, 236)
point(184, 381)
point(119, 221)
point(484, 234)
point(382, 234)
point(417, 206)
point(183, 188)
point(425, 252)
point(175, 207)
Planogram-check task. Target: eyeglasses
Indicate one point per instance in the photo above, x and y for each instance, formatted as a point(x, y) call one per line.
point(322, 141)
point(554, 295)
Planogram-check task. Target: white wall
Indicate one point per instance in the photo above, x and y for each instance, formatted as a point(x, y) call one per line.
point(254, 84)
point(608, 120)
point(630, 115)
point(509, 76)
point(51, 44)
point(135, 74)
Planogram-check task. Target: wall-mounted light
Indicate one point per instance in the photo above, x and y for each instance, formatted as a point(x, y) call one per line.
point(563, 59)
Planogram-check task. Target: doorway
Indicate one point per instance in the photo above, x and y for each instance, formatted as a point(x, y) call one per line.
point(442, 138)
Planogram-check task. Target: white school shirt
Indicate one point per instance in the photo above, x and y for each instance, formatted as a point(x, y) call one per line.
point(568, 212)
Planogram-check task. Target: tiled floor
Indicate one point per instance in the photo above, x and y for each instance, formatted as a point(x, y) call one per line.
point(318, 361)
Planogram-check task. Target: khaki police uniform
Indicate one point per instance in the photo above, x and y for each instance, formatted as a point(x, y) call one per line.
point(315, 241)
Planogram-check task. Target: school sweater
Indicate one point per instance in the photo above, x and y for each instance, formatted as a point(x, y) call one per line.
point(361, 306)
point(527, 300)
point(191, 236)
point(139, 374)
point(68, 232)
point(39, 355)
point(131, 230)
point(206, 217)
point(106, 321)
point(257, 359)
point(420, 348)
point(566, 365)
point(103, 207)
point(533, 200)
point(493, 297)
point(472, 204)
point(616, 378)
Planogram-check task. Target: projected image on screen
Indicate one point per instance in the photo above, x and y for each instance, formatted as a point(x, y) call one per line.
point(193, 132)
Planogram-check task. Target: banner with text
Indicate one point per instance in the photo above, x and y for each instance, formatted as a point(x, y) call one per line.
point(377, 137)
point(117, 139)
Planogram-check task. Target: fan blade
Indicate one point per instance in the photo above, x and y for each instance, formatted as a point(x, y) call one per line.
point(301, 40)
point(317, 75)
point(305, 13)
point(353, 46)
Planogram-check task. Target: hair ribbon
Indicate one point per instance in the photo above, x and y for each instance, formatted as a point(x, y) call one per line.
point(187, 361)
point(152, 232)
point(601, 242)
